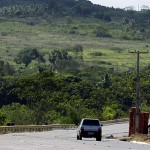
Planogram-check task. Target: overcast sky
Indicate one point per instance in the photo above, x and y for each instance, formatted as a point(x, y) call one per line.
point(122, 3)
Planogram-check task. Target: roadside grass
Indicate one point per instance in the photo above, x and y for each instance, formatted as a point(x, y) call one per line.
point(55, 33)
point(141, 138)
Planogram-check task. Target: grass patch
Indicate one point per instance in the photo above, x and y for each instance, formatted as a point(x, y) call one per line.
point(49, 34)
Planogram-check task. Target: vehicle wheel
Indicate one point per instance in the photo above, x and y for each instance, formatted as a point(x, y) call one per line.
point(80, 137)
point(98, 138)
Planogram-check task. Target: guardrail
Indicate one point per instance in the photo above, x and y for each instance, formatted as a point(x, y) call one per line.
point(33, 128)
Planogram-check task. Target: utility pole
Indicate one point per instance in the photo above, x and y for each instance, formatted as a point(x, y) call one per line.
point(137, 91)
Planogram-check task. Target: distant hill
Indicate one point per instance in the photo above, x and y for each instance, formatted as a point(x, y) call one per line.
point(77, 7)
point(84, 8)
point(17, 2)
point(135, 25)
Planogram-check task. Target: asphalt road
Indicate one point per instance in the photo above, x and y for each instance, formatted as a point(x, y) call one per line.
point(66, 140)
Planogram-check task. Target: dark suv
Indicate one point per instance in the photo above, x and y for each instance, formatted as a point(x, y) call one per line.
point(89, 128)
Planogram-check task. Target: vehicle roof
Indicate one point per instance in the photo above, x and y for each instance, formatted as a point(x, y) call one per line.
point(89, 119)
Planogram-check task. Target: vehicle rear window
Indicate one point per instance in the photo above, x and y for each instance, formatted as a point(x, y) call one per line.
point(91, 122)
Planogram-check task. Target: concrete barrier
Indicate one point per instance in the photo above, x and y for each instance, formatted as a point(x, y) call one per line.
point(39, 128)
point(33, 128)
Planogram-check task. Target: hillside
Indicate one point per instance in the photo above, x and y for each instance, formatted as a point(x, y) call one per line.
point(135, 24)
point(64, 60)
point(48, 34)
point(24, 8)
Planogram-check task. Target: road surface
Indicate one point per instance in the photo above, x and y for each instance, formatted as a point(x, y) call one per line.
point(66, 140)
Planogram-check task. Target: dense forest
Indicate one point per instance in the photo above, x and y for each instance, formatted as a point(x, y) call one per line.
point(66, 79)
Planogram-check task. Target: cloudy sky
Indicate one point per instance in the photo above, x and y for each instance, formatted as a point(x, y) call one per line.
point(122, 3)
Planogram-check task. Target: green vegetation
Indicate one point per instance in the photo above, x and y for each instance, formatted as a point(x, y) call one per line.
point(49, 97)
point(63, 60)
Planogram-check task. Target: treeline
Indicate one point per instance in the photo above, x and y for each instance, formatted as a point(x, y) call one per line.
point(63, 60)
point(48, 97)
point(56, 8)
point(32, 8)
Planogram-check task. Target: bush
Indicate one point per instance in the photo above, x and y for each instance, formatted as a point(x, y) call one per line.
point(97, 54)
point(110, 112)
point(4, 33)
point(2, 118)
point(101, 31)
point(19, 114)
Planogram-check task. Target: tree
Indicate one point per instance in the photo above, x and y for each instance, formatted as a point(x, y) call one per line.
point(57, 55)
point(27, 55)
point(129, 8)
point(17, 113)
point(6, 68)
point(131, 25)
point(2, 118)
point(99, 16)
point(78, 50)
point(125, 21)
point(144, 8)
point(106, 81)
point(42, 67)
point(107, 18)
